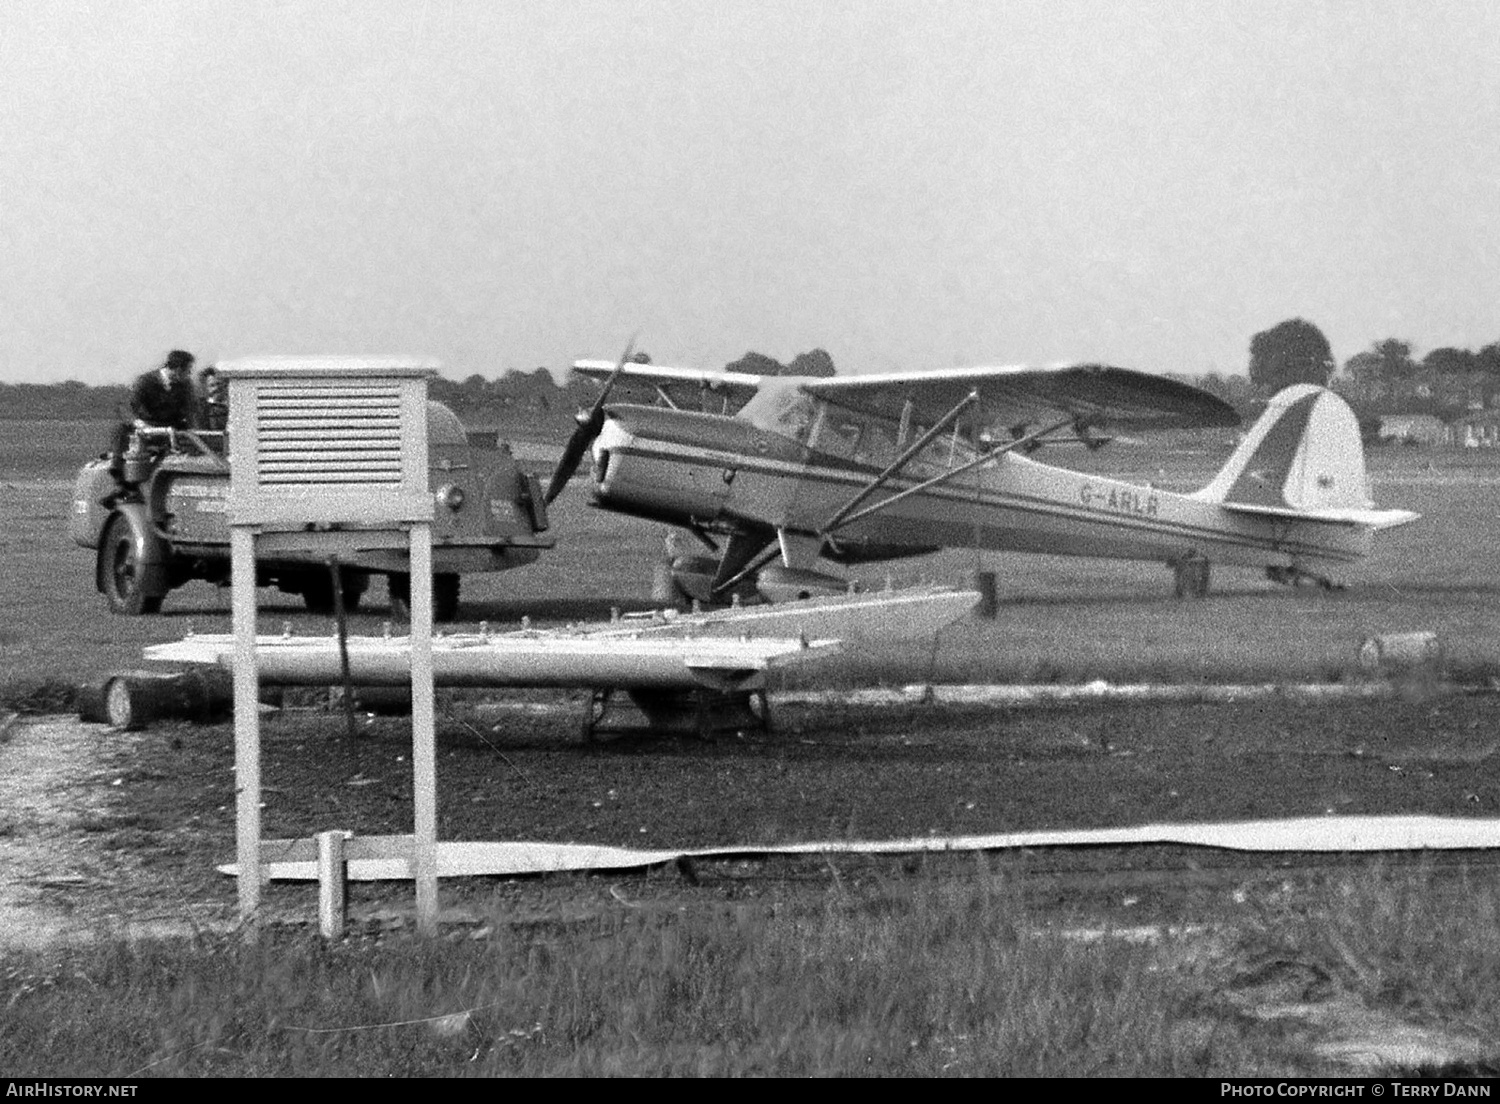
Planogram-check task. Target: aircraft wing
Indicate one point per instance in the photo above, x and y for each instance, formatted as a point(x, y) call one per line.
point(738, 385)
point(1110, 398)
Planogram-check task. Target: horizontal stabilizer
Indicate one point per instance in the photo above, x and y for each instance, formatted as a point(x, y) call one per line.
point(1368, 518)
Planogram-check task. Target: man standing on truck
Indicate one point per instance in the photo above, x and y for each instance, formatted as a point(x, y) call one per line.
point(161, 397)
point(164, 396)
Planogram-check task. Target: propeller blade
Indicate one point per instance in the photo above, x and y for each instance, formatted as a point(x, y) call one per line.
point(568, 463)
point(589, 426)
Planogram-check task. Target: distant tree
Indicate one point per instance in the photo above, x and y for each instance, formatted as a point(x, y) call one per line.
point(1212, 382)
point(536, 389)
point(1448, 361)
point(1396, 362)
point(756, 364)
point(1379, 369)
point(1294, 351)
point(71, 399)
point(1240, 389)
point(1369, 429)
point(1487, 360)
point(814, 363)
point(446, 391)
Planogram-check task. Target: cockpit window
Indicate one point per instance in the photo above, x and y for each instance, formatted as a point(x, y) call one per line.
point(945, 451)
point(878, 444)
point(784, 409)
point(839, 437)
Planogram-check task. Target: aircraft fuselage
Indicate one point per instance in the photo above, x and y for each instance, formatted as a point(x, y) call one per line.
point(719, 472)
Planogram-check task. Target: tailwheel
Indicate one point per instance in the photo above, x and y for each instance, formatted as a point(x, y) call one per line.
point(1190, 576)
point(1296, 576)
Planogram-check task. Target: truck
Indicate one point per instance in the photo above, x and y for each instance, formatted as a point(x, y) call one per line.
point(156, 518)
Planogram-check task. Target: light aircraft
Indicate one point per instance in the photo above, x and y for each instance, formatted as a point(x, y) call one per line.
point(863, 468)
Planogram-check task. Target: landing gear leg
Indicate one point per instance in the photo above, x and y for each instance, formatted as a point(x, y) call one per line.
point(1190, 577)
point(664, 592)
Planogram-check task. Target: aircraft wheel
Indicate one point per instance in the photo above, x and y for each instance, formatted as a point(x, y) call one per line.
point(120, 571)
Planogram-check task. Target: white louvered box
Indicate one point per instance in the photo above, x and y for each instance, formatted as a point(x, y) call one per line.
point(328, 442)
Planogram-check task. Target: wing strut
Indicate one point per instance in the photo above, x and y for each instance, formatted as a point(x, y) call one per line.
point(900, 462)
point(744, 546)
point(755, 564)
point(844, 517)
point(768, 554)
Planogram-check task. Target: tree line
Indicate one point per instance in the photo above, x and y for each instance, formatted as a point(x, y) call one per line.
point(533, 399)
point(1386, 378)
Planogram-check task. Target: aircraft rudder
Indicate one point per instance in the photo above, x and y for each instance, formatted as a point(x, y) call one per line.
point(1303, 453)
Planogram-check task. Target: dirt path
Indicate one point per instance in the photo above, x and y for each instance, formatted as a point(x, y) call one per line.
point(50, 792)
point(63, 872)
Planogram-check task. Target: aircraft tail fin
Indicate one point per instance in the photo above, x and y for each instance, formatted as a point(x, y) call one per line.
point(1302, 456)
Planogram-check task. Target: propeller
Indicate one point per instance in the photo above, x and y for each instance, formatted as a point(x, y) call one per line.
point(589, 426)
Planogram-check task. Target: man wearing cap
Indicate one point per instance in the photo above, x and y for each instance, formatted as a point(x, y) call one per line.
point(161, 397)
point(164, 396)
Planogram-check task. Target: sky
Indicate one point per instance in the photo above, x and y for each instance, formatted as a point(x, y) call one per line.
point(506, 184)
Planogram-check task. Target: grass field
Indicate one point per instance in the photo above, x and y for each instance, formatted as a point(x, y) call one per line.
point(907, 975)
point(921, 969)
point(1061, 619)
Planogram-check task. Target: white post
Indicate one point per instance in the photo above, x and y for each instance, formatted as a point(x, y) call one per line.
point(423, 738)
point(333, 873)
point(246, 724)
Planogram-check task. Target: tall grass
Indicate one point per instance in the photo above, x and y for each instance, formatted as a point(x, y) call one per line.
point(37, 695)
point(920, 977)
point(927, 975)
point(1425, 942)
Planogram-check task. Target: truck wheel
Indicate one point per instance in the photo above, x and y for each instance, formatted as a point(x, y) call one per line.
point(317, 591)
point(120, 571)
point(444, 597)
